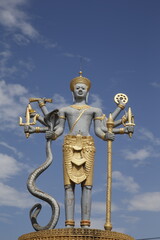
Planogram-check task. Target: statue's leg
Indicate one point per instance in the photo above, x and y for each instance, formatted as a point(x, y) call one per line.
point(69, 205)
point(86, 206)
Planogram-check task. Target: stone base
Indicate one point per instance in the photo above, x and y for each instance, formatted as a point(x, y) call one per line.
point(75, 234)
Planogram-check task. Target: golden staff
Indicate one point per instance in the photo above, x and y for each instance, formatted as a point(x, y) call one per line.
point(108, 225)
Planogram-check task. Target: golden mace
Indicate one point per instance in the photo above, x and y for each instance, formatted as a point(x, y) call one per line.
point(108, 225)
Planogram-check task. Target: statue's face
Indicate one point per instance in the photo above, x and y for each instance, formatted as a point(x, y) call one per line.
point(80, 90)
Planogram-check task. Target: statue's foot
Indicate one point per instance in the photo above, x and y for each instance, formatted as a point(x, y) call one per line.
point(85, 226)
point(69, 223)
point(69, 226)
point(85, 223)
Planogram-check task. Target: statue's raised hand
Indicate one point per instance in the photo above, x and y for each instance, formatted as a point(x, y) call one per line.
point(129, 129)
point(29, 129)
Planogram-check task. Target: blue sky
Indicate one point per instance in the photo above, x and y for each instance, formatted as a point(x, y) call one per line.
point(41, 47)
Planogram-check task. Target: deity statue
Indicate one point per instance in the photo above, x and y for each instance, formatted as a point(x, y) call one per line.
point(79, 148)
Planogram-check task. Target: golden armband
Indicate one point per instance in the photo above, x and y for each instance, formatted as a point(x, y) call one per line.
point(62, 117)
point(37, 129)
point(100, 118)
point(41, 104)
point(121, 106)
point(121, 130)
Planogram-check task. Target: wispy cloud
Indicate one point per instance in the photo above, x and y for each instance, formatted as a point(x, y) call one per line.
point(18, 23)
point(125, 183)
point(130, 219)
point(59, 101)
point(11, 197)
point(99, 207)
point(147, 135)
point(13, 149)
point(97, 222)
point(155, 84)
point(11, 167)
point(82, 58)
point(138, 156)
point(6, 69)
point(9, 68)
point(96, 101)
point(149, 201)
point(14, 18)
point(12, 98)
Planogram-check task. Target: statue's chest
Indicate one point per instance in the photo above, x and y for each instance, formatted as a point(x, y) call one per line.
point(82, 116)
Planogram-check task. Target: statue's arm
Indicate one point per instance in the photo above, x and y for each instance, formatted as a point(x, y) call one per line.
point(120, 107)
point(123, 120)
point(125, 130)
point(100, 129)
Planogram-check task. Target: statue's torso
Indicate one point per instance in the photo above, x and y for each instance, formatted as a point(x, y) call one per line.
point(83, 124)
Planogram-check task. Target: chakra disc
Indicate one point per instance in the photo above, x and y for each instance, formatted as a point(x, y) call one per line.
point(120, 97)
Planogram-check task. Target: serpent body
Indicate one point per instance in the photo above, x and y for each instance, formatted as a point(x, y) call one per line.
point(35, 210)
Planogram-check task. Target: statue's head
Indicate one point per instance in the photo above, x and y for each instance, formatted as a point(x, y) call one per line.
point(80, 87)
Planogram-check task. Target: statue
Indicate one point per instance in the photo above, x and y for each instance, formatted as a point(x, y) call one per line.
point(78, 148)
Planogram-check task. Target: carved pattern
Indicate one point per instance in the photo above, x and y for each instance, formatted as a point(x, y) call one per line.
point(78, 157)
point(76, 234)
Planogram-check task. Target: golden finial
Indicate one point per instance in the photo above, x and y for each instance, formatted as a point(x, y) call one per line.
point(80, 73)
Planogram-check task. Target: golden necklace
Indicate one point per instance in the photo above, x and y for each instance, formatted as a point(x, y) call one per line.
point(80, 107)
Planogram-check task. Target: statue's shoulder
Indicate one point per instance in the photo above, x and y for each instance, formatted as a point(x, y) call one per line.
point(65, 109)
point(96, 110)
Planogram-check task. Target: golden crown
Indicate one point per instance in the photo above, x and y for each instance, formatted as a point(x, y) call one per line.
point(80, 79)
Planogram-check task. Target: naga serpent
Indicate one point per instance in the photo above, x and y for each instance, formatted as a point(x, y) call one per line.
point(32, 188)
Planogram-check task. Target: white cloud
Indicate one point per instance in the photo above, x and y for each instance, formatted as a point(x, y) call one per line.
point(14, 18)
point(6, 70)
point(59, 101)
point(99, 208)
point(119, 229)
point(97, 223)
point(130, 219)
point(138, 156)
point(96, 101)
point(125, 183)
point(13, 198)
point(5, 218)
point(82, 58)
point(12, 98)
point(156, 84)
point(13, 149)
point(149, 201)
point(148, 135)
point(11, 167)
point(18, 23)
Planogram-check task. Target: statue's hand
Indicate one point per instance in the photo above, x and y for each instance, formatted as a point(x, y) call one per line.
point(32, 115)
point(109, 136)
point(122, 103)
point(51, 135)
point(29, 129)
point(129, 129)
